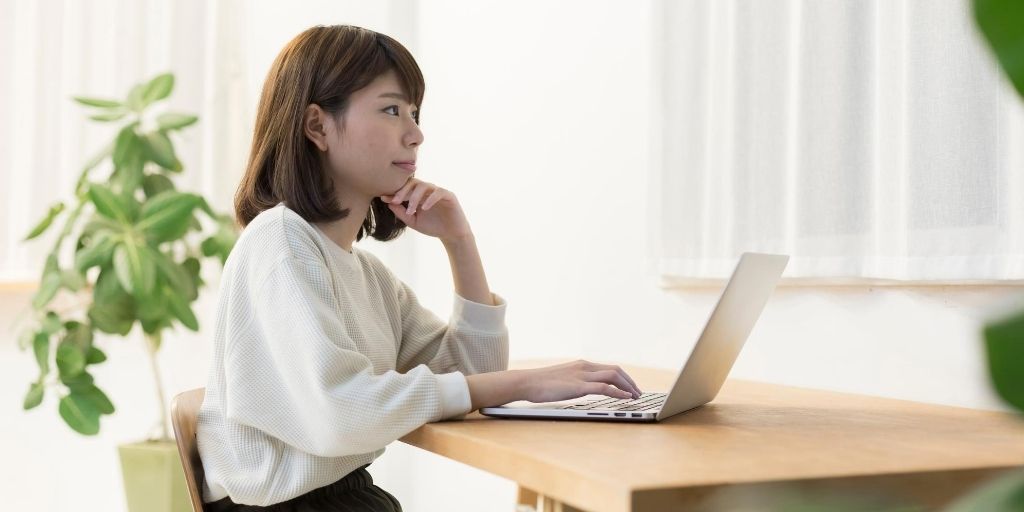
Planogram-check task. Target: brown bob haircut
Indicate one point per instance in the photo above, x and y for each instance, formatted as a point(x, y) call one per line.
point(322, 65)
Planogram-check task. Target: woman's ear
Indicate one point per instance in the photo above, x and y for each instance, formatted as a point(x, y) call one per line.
point(314, 125)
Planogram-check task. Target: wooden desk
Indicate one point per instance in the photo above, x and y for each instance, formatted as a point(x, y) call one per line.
point(753, 438)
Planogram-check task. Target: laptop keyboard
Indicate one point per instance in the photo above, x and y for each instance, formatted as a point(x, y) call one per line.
point(647, 401)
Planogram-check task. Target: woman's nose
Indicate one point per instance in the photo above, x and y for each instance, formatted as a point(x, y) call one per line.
point(414, 137)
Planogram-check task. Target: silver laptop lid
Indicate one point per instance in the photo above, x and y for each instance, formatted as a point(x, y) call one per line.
point(726, 331)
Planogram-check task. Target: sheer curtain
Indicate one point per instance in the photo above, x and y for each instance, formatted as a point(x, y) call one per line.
point(870, 140)
point(52, 50)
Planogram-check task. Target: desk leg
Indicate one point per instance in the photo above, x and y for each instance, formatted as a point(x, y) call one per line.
point(529, 501)
point(526, 501)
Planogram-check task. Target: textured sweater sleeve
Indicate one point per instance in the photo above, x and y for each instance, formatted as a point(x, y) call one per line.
point(293, 372)
point(474, 340)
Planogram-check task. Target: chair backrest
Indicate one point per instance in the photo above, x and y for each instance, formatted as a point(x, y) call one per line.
point(184, 411)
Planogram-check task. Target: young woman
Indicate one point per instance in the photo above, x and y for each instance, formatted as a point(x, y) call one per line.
point(322, 357)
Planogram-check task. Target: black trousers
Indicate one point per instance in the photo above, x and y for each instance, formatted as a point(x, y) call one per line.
point(354, 492)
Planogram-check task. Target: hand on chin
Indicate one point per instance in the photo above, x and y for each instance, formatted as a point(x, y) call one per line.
point(429, 209)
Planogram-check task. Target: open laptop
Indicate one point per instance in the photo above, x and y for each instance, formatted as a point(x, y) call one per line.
point(727, 328)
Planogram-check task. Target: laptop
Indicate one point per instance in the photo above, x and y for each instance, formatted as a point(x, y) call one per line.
point(704, 372)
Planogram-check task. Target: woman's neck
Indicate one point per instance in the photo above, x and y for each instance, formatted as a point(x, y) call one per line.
point(343, 231)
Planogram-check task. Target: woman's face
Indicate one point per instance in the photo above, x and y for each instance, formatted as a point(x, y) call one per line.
point(379, 129)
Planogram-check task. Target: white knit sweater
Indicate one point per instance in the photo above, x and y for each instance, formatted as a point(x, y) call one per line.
point(321, 358)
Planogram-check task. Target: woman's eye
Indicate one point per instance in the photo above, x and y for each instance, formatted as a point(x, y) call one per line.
point(415, 115)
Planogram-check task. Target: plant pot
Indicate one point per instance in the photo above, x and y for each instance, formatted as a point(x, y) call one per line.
point(154, 480)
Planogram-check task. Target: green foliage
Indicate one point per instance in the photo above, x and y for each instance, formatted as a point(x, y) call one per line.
point(138, 248)
point(1002, 24)
point(1004, 346)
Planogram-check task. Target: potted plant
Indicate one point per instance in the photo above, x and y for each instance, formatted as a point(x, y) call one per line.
point(136, 255)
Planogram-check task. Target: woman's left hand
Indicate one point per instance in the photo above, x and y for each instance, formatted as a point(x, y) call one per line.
point(432, 210)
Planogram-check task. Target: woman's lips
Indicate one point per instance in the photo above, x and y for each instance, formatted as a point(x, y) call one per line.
point(407, 167)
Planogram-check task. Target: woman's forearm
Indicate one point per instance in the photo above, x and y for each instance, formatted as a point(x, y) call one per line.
point(468, 270)
point(494, 388)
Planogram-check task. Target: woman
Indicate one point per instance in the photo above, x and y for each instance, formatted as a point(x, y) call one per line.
point(322, 356)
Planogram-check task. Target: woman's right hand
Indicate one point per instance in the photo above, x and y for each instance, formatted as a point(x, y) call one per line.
point(576, 379)
point(551, 384)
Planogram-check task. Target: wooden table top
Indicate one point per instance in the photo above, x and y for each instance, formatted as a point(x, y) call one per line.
point(751, 432)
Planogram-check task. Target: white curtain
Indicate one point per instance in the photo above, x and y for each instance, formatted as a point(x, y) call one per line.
point(870, 140)
point(52, 50)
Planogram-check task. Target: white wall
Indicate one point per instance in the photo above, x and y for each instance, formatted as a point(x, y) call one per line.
point(538, 116)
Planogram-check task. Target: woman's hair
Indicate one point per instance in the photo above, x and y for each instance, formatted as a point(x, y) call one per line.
point(322, 65)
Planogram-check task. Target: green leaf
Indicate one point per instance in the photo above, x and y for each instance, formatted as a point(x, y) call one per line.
point(129, 177)
point(175, 120)
point(192, 266)
point(78, 381)
point(96, 102)
point(155, 183)
point(51, 264)
point(135, 268)
point(1002, 24)
point(181, 310)
point(98, 224)
point(72, 280)
point(220, 244)
point(95, 356)
point(108, 289)
point(34, 397)
point(157, 89)
point(113, 115)
point(154, 325)
point(45, 223)
point(79, 335)
point(84, 387)
point(98, 252)
point(205, 206)
point(41, 348)
point(109, 204)
point(210, 246)
point(166, 216)
point(51, 323)
point(226, 236)
point(1004, 345)
point(131, 203)
point(128, 147)
point(153, 312)
point(177, 276)
point(70, 359)
point(113, 318)
point(160, 150)
point(97, 397)
point(134, 99)
point(47, 289)
point(80, 413)
point(113, 310)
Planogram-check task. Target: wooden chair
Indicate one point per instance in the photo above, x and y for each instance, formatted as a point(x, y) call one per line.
point(184, 410)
